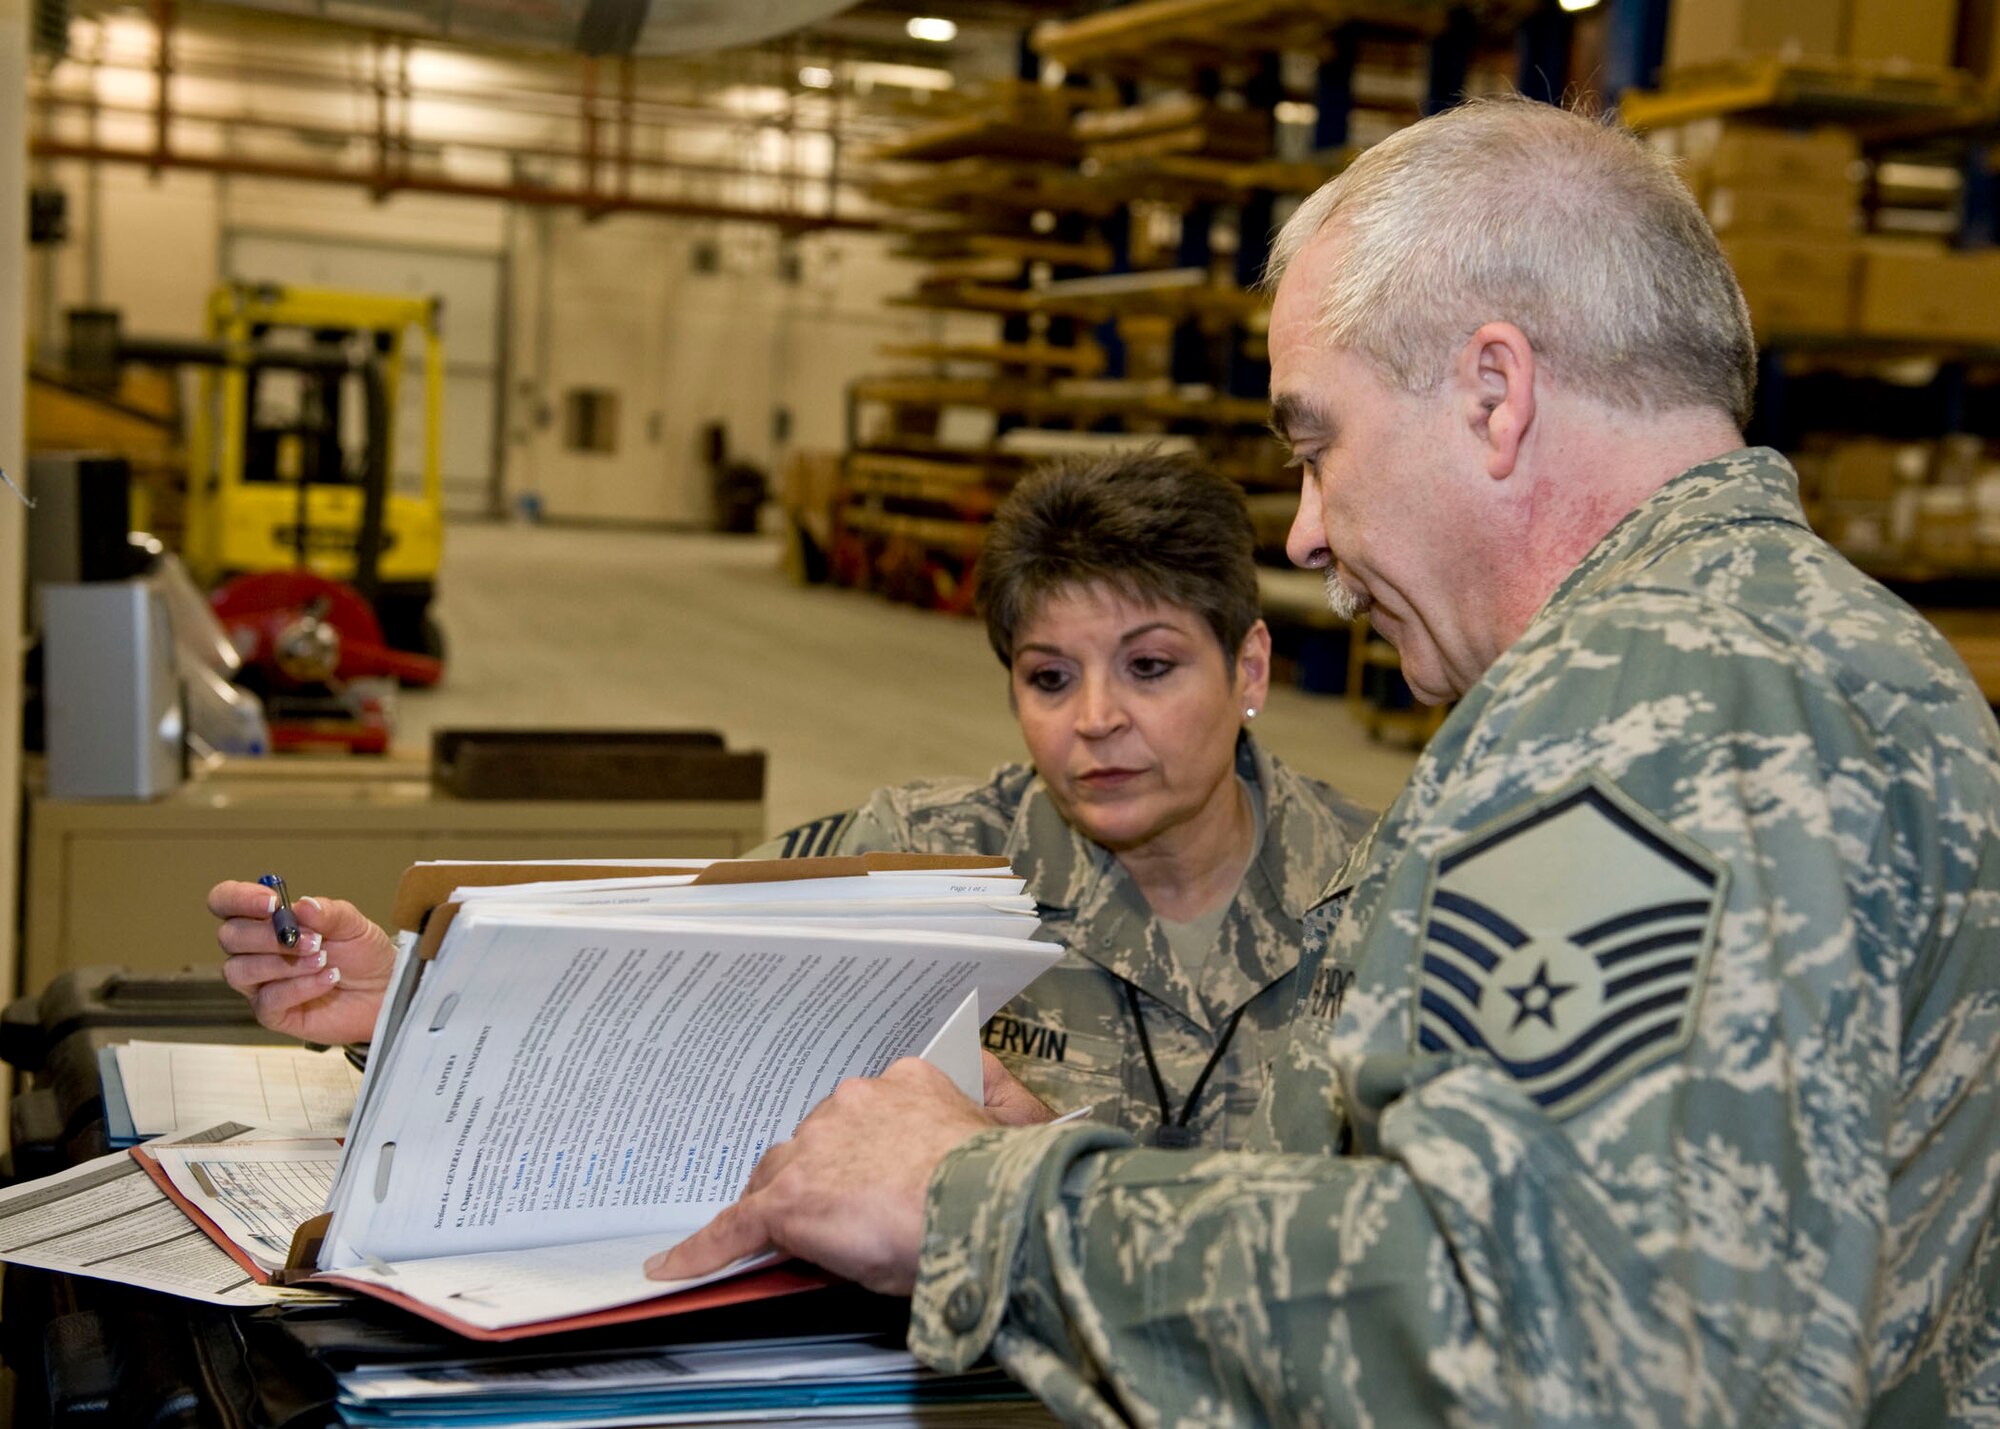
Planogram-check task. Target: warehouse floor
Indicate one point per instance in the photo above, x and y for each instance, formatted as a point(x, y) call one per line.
point(845, 691)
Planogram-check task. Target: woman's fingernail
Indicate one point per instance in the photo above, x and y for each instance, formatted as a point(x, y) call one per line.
point(319, 959)
point(314, 903)
point(310, 942)
point(270, 904)
point(332, 976)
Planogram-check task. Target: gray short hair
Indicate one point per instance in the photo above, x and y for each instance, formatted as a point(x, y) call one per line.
point(1150, 525)
point(1510, 210)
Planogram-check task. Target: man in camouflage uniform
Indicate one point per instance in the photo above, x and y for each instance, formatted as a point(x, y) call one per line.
point(1072, 1038)
point(1650, 1072)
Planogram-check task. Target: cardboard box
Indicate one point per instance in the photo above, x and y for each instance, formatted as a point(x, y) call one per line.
point(1912, 291)
point(1706, 31)
point(807, 489)
point(1811, 467)
point(1786, 208)
point(1921, 33)
point(1743, 155)
point(1860, 528)
point(1799, 309)
point(1960, 460)
point(1981, 38)
point(1769, 260)
point(1946, 526)
point(1868, 469)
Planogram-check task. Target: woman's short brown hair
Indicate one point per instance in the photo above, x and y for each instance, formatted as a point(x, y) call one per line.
point(1148, 525)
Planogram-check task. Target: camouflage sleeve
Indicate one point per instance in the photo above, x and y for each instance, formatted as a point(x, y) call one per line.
point(1250, 1288)
point(874, 827)
point(1535, 1225)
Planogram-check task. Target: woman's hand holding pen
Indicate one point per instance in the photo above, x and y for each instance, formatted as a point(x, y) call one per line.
point(326, 989)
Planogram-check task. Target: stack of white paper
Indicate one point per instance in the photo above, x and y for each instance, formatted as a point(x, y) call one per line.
point(847, 1380)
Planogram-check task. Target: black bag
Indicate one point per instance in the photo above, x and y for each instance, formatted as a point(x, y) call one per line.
point(91, 1353)
point(53, 1039)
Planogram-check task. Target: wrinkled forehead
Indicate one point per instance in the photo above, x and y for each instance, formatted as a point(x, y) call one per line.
point(1298, 323)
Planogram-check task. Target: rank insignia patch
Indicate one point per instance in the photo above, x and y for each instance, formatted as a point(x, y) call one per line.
point(1569, 944)
point(816, 839)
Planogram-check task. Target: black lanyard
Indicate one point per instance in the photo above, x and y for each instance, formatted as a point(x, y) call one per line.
point(1174, 1131)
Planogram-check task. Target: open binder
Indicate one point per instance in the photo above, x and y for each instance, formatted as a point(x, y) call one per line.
point(576, 1065)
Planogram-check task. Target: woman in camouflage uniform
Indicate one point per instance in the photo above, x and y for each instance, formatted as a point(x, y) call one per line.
point(1171, 854)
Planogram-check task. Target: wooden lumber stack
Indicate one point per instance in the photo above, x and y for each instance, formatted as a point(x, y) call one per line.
point(1174, 124)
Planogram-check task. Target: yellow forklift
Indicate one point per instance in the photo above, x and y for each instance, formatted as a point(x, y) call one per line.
point(321, 570)
point(291, 447)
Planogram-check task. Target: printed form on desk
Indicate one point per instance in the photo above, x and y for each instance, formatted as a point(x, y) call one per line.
point(108, 1220)
point(183, 1086)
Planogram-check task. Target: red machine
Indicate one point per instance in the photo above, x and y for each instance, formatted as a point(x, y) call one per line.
point(311, 647)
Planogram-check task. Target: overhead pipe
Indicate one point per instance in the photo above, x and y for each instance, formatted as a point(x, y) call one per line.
point(638, 162)
point(587, 112)
point(551, 101)
point(406, 182)
point(379, 80)
point(625, 87)
point(163, 74)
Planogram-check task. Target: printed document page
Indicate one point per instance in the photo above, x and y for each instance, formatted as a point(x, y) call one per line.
point(170, 1086)
point(106, 1219)
point(581, 1078)
point(257, 1193)
point(500, 1290)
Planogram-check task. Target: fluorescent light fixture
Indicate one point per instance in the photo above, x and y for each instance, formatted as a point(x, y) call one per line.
point(872, 72)
point(1574, 5)
point(816, 77)
point(756, 99)
point(931, 27)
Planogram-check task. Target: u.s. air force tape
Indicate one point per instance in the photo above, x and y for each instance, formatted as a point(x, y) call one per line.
point(1569, 942)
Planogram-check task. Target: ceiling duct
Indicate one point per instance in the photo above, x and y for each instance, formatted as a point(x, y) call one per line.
point(592, 27)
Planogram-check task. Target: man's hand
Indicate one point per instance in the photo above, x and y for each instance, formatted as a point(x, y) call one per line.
point(847, 1191)
point(1007, 1101)
point(328, 988)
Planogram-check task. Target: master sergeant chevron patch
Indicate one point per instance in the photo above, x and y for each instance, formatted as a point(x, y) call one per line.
point(1569, 943)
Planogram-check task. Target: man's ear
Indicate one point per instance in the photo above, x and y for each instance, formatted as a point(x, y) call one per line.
point(1496, 369)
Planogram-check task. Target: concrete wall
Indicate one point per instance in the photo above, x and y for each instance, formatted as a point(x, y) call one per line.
point(628, 306)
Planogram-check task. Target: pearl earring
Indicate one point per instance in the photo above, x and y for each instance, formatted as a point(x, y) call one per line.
point(1250, 713)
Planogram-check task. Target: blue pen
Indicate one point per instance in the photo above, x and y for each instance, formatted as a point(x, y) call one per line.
point(282, 918)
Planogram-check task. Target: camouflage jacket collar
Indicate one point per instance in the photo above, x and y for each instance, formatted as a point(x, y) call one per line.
point(1081, 884)
point(1750, 484)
